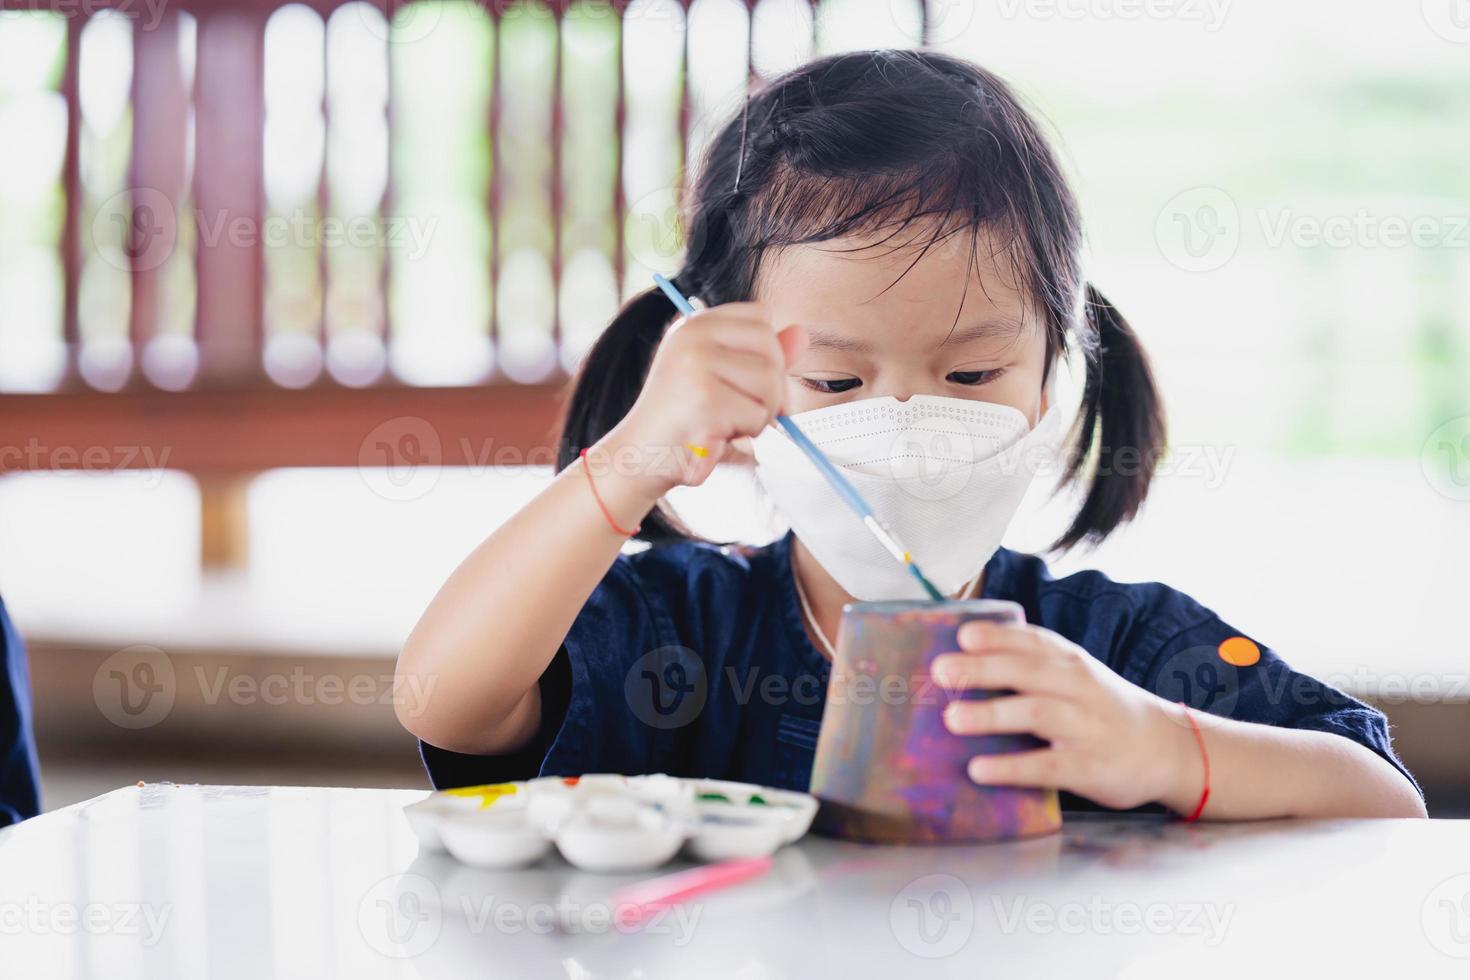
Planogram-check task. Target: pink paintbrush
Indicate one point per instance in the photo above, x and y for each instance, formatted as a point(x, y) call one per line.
point(635, 903)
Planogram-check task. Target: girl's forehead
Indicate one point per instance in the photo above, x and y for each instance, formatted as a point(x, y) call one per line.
point(856, 286)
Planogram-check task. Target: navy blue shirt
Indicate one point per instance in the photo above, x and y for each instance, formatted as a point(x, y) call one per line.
point(19, 795)
point(692, 660)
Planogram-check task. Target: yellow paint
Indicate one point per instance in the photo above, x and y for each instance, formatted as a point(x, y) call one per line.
point(699, 451)
point(487, 794)
point(1239, 652)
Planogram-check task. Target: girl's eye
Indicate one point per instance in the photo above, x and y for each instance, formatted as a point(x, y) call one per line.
point(973, 377)
point(831, 386)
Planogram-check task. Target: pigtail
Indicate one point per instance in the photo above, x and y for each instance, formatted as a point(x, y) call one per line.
point(607, 384)
point(1122, 417)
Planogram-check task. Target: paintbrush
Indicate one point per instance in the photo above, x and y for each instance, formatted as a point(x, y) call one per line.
point(634, 905)
point(834, 476)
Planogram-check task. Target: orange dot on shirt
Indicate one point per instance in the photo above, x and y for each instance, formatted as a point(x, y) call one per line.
point(1239, 652)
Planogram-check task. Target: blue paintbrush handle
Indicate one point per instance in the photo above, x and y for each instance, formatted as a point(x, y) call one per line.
point(834, 476)
point(672, 292)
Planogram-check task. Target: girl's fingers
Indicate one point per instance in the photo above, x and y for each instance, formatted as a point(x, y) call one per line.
point(1034, 767)
point(754, 375)
point(740, 333)
point(723, 413)
point(792, 341)
point(738, 451)
point(745, 310)
point(744, 414)
point(984, 637)
point(1023, 672)
point(697, 468)
point(712, 316)
point(1048, 718)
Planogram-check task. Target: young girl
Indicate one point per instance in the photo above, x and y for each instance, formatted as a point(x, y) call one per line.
point(886, 250)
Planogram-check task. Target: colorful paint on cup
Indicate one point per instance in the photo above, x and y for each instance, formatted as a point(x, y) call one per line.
point(886, 767)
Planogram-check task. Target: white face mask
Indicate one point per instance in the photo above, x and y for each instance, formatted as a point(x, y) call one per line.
point(944, 474)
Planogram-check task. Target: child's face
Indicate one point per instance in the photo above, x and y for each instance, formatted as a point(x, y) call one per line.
point(866, 342)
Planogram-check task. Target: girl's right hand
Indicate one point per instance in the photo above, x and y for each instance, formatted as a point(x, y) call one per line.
point(718, 375)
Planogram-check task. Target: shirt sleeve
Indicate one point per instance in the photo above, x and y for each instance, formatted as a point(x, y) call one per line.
point(19, 780)
point(1213, 667)
point(591, 694)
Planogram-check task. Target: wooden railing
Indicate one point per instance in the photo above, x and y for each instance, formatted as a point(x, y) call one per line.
point(215, 373)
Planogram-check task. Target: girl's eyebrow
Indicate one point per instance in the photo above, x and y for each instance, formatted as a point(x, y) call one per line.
point(827, 340)
point(1000, 326)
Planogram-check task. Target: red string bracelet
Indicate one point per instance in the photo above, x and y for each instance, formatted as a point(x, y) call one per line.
point(602, 506)
point(1199, 737)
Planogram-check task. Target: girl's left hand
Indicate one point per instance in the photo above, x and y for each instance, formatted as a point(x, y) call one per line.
point(1111, 741)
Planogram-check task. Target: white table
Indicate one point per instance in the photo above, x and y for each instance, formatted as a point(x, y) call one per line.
point(199, 882)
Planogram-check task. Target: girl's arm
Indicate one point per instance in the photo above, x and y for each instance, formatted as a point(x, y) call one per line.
point(1122, 746)
point(1262, 771)
point(478, 651)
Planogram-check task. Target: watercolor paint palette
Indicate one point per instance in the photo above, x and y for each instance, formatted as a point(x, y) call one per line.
point(608, 822)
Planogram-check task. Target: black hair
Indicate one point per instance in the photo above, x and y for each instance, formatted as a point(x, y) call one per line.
point(874, 141)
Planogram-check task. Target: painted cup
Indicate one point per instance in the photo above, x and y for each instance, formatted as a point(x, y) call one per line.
point(886, 768)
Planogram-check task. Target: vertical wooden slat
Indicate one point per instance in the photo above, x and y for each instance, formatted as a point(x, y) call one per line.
point(224, 521)
point(71, 176)
point(749, 45)
point(323, 187)
point(558, 196)
point(143, 314)
point(496, 181)
point(685, 108)
point(156, 169)
point(387, 204)
point(620, 122)
point(228, 193)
